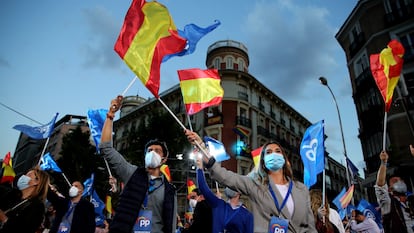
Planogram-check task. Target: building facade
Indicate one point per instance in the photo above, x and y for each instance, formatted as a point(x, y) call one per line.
point(367, 30)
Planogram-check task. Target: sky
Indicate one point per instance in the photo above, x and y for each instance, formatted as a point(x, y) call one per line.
point(58, 57)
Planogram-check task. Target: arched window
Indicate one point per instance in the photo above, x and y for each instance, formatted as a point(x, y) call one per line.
point(229, 63)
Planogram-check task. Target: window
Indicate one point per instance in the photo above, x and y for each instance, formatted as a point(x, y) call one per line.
point(353, 35)
point(229, 63)
point(217, 63)
point(360, 65)
point(241, 65)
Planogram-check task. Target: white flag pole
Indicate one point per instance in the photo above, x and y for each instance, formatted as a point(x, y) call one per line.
point(384, 136)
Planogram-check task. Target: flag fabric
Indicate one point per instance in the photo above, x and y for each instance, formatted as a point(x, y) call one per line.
point(216, 149)
point(346, 212)
point(99, 207)
point(312, 151)
point(190, 186)
point(243, 133)
point(200, 89)
point(192, 33)
point(108, 205)
point(8, 172)
point(38, 132)
point(49, 164)
point(96, 120)
point(370, 211)
point(353, 170)
point(386, 69)
point(88, 186)
point(256, 156)
point(147, 35)
point(166, 171)
point(344, 198)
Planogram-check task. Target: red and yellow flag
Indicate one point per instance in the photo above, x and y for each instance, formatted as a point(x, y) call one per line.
point(200, 89)
point(8, 172)
point(386, 68)
point(256, 156)
point(190, 186)
point(166, 171)
point(147, 35)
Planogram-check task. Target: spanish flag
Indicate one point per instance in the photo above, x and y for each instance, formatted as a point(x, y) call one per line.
point(256, 156)
point(108, 205)
point(190, 186)
point(147, 35)
point(8, 172)
point(386, 68)
point(200, 89)
point(166, 171)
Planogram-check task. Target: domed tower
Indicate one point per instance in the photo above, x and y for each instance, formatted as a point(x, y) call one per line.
point(129, 103)
point(228, 54)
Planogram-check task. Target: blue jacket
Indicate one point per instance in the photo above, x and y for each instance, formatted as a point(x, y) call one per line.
point(238, 220)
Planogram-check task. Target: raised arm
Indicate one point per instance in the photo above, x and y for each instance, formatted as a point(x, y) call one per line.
point(382, 171)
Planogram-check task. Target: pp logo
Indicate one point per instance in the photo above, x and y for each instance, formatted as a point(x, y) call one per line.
point(144, 222)
point(276, 228)
point(311, 149)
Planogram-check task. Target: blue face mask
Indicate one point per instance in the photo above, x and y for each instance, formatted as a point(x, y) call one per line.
point(23, 182)
point(274, 161)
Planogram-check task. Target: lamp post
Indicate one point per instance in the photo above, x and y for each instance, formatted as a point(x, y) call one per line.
point(325, 83)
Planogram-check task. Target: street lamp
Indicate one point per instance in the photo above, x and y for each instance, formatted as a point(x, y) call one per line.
point(325, 83)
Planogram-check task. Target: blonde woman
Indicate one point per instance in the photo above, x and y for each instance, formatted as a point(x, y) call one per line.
point(276, 199)
point(327, 220)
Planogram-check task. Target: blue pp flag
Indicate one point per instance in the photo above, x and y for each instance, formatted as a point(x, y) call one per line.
point(216, 149)
point(49, 164)
point(99, 207)
point(193, 34)
point(88, 186)
point(96, 120)
point(312, 151)
point(370, 211)
point(38, 132)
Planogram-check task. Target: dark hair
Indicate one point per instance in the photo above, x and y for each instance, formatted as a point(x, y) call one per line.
point(196, 190)
point(159, 143)
point(357, 212)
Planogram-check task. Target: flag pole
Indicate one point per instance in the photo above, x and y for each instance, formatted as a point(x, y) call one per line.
point(129, 86)
point(384, 136)
point(182, 125)
point(43, 151)
point(66, 179)
point(107, 167)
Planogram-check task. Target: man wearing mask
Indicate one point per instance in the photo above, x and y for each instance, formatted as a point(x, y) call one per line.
point(202, 214)
point(73, 214)
point(396, 213)
point(147, 196)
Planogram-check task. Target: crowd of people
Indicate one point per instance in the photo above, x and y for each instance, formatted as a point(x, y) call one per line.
point(148, 202)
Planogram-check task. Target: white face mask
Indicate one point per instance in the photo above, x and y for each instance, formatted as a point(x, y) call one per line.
point(23, 182)
point(399, 187)
point(193, 203)
point(73, 191)
point(152, 159)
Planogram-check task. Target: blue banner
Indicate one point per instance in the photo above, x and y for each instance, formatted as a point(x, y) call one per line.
point(49, 164)
point(312, 151)
point(38, 132)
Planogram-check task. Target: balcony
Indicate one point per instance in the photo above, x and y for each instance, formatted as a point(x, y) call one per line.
point(243, 121)
point(405, 13)
point(273, 115)
point(261, 107)
point(262, 131)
